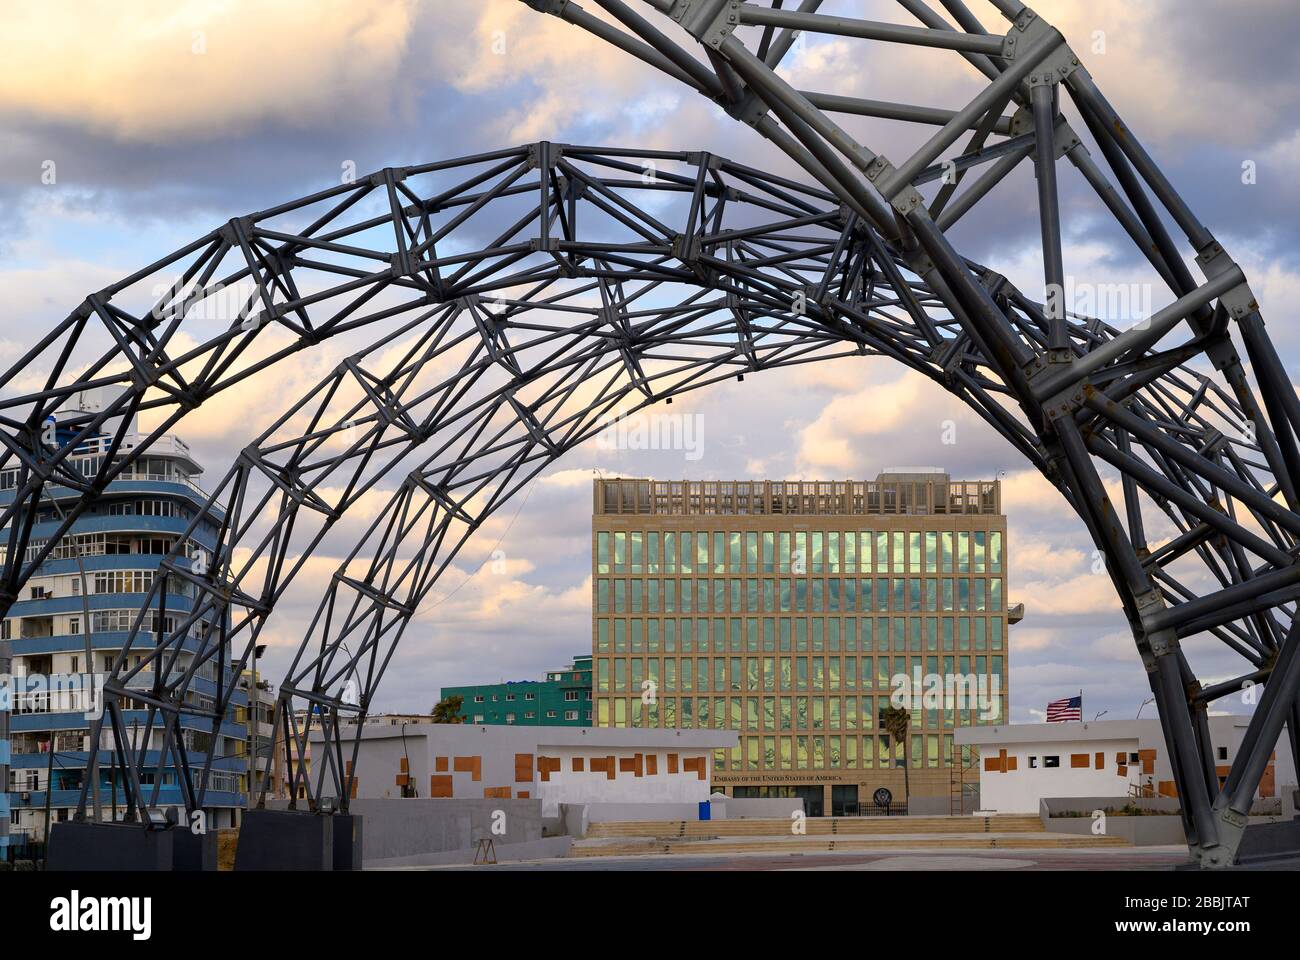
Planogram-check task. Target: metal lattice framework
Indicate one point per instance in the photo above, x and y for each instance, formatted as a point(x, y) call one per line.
point(1220, 462)
point(619, 288)
point(609, 279)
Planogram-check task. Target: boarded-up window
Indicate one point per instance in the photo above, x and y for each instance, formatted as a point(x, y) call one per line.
point(523, 768)
point(630, 764)
point(578, 764)
point(1078, 761)
point(440, 764)
point(470, 765)
point(999, 764)
point(1268, 782)
point(695, 764)
point(547, 766)
point(1099, 761)
point(1148, 758)
point(440, 785)
point(651, 764)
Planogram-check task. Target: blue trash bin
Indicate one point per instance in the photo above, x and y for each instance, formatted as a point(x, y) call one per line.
point(706, 810)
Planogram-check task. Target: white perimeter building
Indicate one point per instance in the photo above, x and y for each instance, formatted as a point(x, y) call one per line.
point(1023, 763)
point(577, 765)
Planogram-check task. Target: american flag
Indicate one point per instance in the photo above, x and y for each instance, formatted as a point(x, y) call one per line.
point(1071, 708)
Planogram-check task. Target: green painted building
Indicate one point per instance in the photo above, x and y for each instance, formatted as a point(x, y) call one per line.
point(563, 699)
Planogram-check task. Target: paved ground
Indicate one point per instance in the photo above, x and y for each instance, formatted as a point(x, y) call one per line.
point(1127, 859)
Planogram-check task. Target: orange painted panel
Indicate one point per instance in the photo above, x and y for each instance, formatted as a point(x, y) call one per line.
point(547, 766)
point(523, 768)
point(471, 765)
point(1148, 758)
point(630, 764)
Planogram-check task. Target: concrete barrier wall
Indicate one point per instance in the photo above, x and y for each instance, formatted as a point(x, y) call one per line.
point(1163, 828)
point(740, 808)
point(927, 806)
point(729, 809)
point(1055, 806)
point(545, 849)
point(575, 818)
point(403, 829)
point(615, 812)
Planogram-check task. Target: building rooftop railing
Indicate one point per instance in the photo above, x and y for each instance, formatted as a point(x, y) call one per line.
point(915, 494)
point(167, 445)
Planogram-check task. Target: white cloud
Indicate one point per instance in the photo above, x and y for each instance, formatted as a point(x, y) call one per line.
point(152, 70)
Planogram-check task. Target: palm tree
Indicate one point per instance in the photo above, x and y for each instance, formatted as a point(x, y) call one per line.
point(448, 710)
point(896, 721)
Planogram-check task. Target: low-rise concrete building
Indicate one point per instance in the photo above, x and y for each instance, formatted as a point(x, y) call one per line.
point(557, 765)
point(1023, 763)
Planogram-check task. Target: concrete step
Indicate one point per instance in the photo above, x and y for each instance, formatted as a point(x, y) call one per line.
point(628, 847)
point(816, 826)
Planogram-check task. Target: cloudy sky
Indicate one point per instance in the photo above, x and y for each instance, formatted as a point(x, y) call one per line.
point(162, 119)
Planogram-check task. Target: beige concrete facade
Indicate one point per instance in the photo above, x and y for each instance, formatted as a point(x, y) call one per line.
point(790, 612)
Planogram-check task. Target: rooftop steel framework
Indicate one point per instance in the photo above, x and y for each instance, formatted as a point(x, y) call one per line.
point(507, 306)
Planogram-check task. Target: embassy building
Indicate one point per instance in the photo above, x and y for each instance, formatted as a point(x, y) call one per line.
point(794, 613)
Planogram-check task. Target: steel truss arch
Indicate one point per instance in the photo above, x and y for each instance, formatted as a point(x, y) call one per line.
point(862, 265)
point(736, 285)
point(1091, 402)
